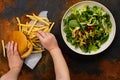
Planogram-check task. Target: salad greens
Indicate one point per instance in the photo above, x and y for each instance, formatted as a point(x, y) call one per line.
point(87, 28)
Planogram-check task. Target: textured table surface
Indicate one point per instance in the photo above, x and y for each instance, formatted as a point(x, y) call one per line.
point(104, 66)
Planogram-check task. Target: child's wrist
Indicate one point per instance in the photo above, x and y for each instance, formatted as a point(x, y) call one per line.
point(54, 49)
point(15, 70)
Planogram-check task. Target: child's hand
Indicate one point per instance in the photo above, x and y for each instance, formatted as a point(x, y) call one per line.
point(48, 40)
point(14, 60)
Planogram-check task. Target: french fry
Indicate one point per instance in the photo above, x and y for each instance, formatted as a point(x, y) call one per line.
point(41, 17)
point(31, 17)
point(32, 27)
point(29, 25)
point(41, 20)
point(38, 44)
point(37, 51)
point(25, 29)
point(51, 27)
point(37, 29)
point(34, 45)
point(3, 47)
point(18, 20)
point(32, 36)
point(46, 30)
point(34, 18)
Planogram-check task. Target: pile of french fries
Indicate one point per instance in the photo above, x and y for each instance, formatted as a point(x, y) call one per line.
point(39, 23)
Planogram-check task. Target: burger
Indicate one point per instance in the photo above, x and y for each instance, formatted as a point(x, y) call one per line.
point(25, 47)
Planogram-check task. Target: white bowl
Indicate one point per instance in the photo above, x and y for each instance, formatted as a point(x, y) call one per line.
point(103, 46)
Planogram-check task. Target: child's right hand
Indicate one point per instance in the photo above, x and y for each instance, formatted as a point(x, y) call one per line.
point(48, 40)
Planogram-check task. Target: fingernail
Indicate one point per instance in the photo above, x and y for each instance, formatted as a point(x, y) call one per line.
point(16, 43)
point(9, 42)
point(40, 31)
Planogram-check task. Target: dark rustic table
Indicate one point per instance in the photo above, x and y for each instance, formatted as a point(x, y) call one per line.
point(104, 66)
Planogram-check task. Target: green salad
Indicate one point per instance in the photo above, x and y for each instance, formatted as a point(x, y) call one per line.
point(87, 28)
